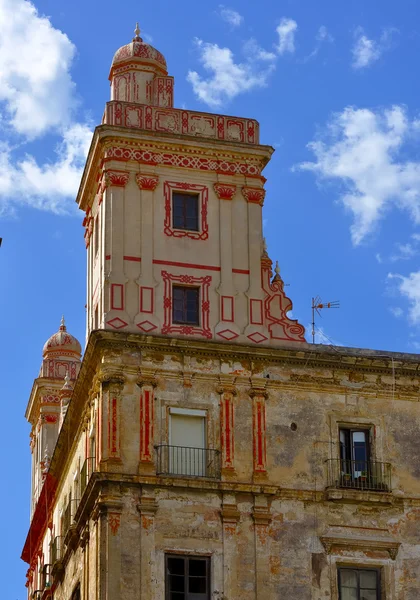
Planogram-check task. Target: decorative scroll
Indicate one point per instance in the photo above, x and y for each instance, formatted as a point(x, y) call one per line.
point(277, 305)
point(114, 521)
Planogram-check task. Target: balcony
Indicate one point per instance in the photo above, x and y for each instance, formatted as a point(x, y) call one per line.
point(69, 529)
point(86, 473)
point(37, 595)
point(57, 550)
point(182, 461)
point(46, 577)
point(358, 476)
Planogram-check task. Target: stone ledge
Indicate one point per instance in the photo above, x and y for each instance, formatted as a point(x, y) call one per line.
point(359, 496)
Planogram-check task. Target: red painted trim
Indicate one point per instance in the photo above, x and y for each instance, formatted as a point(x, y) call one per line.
point(118, 305)
point(108, 257)
point(114, 427)
point(203, 196)
point(192, 330)
point(146, 425)
point(152, 300)
point(132, 258)
point(231, 311)
point(185, 265)
point(241, 271)
point(256, 310)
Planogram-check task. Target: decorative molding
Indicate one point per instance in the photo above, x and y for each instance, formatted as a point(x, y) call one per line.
point(230, 513)
point(227, 426)
point(147, 182)
point(116, 178)
point(333, 544)
point(182, 159)
point(224, 191)
point(261, 515)
point(179, 121)
point(203, 197)
point(204, 282)
point(146, 424)
point(259, 396)
point(147, 506)
point(114, 521)
point(254, 195)
point(109, 376)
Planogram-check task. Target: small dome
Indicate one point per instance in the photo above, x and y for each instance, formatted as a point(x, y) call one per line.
point(139, 50)
point(62, 342)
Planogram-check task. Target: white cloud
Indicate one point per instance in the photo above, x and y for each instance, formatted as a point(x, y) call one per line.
point(49, 186)
point(396, 311)
point(37, 96)
point(366, 51)
point(409, 287)
point(254, 52)
point(323, 35)
point(404, 252)
point(378, 258)
point(35, 86)
point(230, 16)
point(227, 78)
point(286, 31)
point(363, 151)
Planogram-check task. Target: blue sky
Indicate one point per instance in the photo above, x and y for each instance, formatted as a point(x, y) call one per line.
point(334, 87)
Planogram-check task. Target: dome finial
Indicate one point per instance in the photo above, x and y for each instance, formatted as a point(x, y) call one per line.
point(277, 269)
point(63, 324)
point(137, 38)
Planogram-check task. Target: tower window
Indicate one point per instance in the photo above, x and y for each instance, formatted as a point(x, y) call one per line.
point(359, 584)
point(187, 578)
point(185, 211)
point(185, 303)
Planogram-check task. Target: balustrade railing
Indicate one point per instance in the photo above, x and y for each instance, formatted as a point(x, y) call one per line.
point(359, 475)
point(191, 462)
point(56, 549)
point(86, 473)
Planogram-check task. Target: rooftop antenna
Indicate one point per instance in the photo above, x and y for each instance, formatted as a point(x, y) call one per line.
point(317, 306)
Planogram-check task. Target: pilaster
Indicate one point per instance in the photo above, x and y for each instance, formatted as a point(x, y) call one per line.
point(109, 438)
point(147, 384)
point(227, 393)
point(108, 515)
point(147, 508)
point(230, 516)
point(259, 395)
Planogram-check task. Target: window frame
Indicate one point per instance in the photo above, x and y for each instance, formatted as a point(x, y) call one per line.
point(187, 558)
point(359, 569)
point(185, 322)
point(184, 194)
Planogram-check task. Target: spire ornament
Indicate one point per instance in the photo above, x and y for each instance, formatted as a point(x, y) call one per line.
point(277, 272)
point(137, 37)
point(63, 324)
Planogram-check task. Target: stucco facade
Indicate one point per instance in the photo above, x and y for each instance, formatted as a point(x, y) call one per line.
point(304, 473)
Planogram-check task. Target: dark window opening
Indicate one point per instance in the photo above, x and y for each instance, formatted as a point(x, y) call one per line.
point(185, 304)
point(359, 584)
point(187, 578)
point(185, 211)
point(76, 594)
point(355, 452)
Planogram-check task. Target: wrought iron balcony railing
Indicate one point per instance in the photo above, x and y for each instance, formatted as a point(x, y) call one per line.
point(46, 577)
point(86, 473)
point(359, 475)
point(69, 514)
point(56, 549)
point(190, 462)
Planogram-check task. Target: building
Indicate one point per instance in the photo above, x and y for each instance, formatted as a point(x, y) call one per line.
point(202, 449)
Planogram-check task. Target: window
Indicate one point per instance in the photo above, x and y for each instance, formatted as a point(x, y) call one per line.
point(359, 584)
point(354, 452)
point(185, 302)
point(187, 450)
point(185, 211)
point(187, 578)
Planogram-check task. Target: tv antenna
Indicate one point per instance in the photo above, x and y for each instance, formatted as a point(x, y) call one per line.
point(317, 306)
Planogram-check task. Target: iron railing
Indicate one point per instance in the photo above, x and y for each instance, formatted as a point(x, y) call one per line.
point(190, 462)
point(86, 473)
point(359, 475)
point(69, 514)
point(36, 595)
point(46, 577)
point(56, 549)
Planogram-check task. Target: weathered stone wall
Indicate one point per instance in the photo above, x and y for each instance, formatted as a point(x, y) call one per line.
point(273, 533)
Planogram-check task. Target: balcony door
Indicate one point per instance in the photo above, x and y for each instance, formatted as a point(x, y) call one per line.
point(354, 452)
point(187, 440)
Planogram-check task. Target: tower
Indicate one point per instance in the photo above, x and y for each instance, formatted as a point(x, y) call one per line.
point(166, 192)
point(202, 450)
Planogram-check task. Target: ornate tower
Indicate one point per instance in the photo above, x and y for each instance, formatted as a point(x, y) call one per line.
point(60, 365)
point(173, 201)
